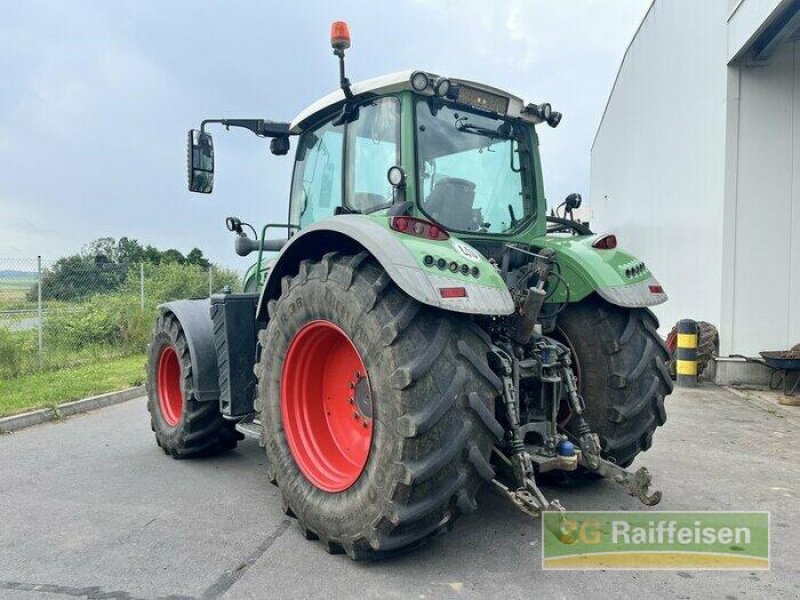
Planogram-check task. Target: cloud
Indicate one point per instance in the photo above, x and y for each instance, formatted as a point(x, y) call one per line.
point(97, 98)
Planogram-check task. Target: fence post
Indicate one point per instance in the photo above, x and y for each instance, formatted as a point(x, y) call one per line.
point(141, 286)
point(210, 280)
point(39, 304)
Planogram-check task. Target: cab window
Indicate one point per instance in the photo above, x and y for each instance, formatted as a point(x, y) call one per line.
point(373, 145)
point(317, 182)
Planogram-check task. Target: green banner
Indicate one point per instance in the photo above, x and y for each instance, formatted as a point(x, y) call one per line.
point(655, 540)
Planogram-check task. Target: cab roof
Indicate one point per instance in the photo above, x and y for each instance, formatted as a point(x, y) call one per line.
point(395, 82)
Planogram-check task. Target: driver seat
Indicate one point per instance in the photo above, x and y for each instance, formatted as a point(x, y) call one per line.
point(451, 203)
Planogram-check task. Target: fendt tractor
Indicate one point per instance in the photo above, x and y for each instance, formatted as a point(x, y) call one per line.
point(423, 328)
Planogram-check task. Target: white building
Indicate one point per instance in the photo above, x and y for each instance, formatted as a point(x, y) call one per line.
point(696, 166)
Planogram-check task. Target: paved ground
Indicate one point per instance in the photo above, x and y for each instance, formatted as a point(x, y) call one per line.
point(92, 508)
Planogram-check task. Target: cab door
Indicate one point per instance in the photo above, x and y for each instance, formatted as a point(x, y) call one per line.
point(346, 165)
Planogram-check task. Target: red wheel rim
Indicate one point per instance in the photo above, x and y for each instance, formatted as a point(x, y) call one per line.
point(672, 341)
point(170, 397)
point(326, 406)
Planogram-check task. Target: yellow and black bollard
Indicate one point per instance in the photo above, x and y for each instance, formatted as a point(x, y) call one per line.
point(686, 353)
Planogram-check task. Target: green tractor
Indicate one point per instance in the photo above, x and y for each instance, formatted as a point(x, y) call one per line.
point(424, 328)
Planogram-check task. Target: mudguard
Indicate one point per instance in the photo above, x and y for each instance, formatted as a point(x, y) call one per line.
point(403, 258)
point(615, 275)
point(195, 319)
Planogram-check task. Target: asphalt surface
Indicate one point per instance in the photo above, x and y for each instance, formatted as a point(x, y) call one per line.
point(91, 508)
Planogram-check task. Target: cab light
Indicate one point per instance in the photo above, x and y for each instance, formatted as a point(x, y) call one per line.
point(418, 227)
point(607, 242)
point(453, 292)
point(419, 81)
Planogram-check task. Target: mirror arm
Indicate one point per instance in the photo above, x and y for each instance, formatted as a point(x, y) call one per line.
point(260, 127)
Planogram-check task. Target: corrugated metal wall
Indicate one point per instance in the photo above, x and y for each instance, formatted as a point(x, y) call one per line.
point(659, 157)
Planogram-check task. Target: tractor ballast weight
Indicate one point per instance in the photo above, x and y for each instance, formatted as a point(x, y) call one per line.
point(423, 328)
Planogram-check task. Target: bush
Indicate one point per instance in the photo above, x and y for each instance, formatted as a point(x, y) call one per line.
point(16, 350)
point(172, 281)
point(105, 325)
point(104, 320)
point(78, 277)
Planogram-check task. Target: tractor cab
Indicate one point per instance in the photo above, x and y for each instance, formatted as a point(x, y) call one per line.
point(459, 155)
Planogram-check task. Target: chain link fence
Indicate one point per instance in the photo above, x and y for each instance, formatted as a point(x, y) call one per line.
point(76, 310)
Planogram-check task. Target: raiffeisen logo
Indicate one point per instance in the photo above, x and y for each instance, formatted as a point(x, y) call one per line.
point(655, 540)
point(669, 532)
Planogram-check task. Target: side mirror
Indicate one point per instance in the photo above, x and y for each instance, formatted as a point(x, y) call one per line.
point(200, 161)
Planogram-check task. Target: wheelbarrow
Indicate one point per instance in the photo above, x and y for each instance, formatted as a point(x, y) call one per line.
point(780, 363)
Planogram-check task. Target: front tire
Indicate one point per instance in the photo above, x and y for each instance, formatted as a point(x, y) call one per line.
point(422, 406)
point(621, 364)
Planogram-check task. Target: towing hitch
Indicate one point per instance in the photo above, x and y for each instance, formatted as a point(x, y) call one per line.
point(638, 483)
point(552, 366)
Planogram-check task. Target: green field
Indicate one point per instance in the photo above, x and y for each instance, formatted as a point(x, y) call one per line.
point(13, 291)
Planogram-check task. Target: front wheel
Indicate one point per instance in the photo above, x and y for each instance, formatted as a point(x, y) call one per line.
point(621, 365)
point(376, 408)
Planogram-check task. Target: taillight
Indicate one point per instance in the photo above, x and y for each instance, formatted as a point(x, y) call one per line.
point(453, 292)
point(418, 227)
point(607, 242)
point(656, 289)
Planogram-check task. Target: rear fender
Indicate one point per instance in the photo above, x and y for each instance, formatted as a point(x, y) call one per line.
point(195, 319)
point(402, 256)
point(615, 275)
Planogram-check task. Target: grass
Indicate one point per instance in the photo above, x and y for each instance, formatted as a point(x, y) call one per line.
point(47, 389)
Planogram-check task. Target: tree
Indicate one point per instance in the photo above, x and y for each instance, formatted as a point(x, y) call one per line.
point(195, 257)
point(102, 247)
point(102, 266)
point(129, 251)
point(77, 277)
point(173, 256)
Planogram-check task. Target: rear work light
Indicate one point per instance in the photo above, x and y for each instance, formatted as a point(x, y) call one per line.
point(418, 227)
point(607, 242)
point(453, 292)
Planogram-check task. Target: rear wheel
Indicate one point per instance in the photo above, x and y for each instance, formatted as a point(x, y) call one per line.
point(377, 410)
point(621, 365)
point(184, 427)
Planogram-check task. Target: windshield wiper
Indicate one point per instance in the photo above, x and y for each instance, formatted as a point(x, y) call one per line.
point(484, 131)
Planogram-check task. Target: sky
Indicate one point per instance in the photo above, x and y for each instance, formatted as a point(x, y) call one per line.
point(96, 98)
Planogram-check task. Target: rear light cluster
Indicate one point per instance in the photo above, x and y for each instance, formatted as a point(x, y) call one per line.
point(656, 289)
point(418, 227)
point(635, 271)
point(607, 242)
point(451, 266)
